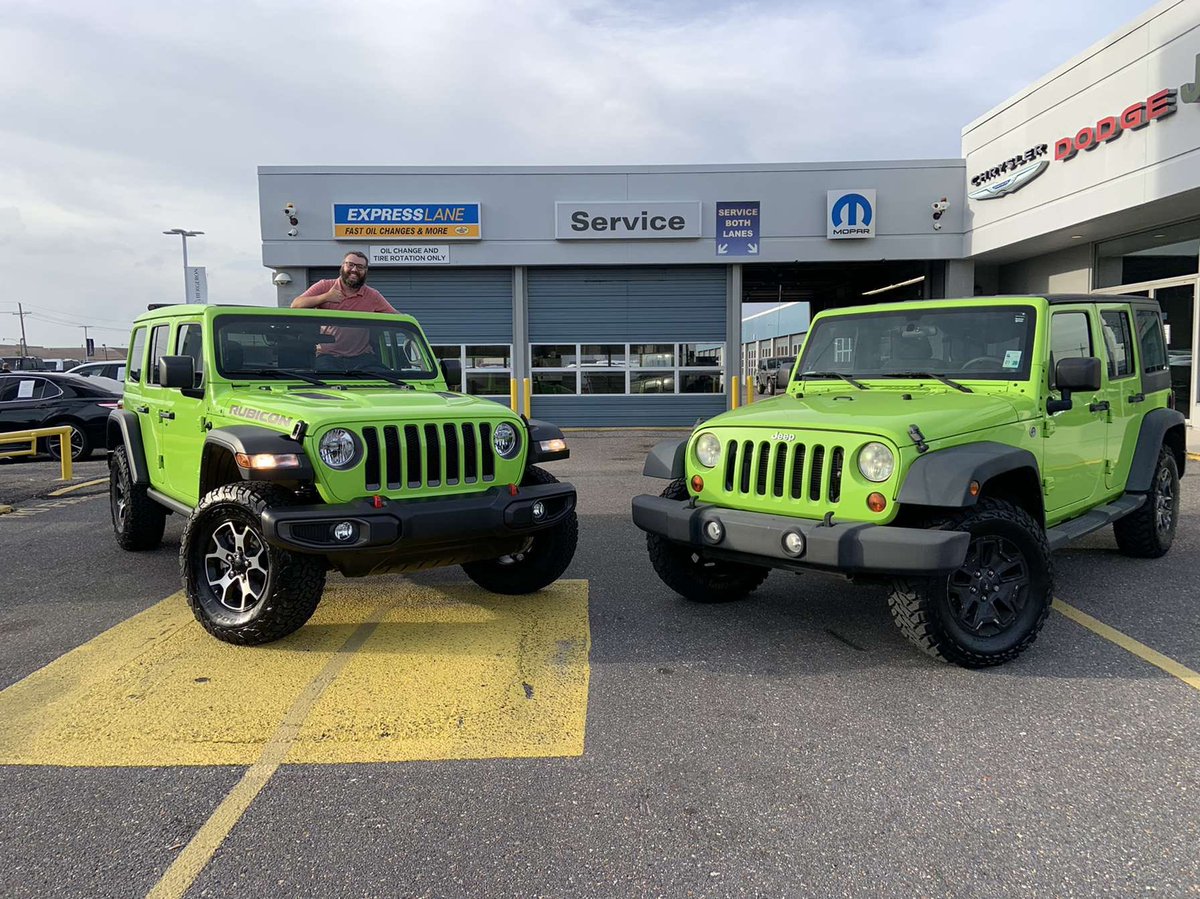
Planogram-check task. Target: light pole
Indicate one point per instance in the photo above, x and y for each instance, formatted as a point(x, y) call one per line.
point(184, 234)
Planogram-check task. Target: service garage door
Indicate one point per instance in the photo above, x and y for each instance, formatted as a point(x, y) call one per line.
point(625, 347)
point(466, 313)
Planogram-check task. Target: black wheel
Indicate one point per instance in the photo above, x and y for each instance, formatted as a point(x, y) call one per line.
point(1149, 532)
point(81, 446)
point(540, 562)
point(240, 588)
point(691, 575)
point(137, 520)
point(991, 609)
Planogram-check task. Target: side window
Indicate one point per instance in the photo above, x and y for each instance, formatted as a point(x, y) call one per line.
point(8, 389)
point(158, 347)
point(136, 354)
point(190, 342)
point(1150, 336)
point(1070, 338)
point(1119, 343)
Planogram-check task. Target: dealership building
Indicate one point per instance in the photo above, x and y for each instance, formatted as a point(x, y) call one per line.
point(618, 291)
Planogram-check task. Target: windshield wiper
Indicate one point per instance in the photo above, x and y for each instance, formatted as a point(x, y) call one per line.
point(362, 373)
point(930, 374)
point(282, 373)
point(832, 374)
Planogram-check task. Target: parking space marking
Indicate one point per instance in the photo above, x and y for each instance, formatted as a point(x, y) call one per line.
point(451, 672)
point(1141, 650)
point(63, 491)
point(30, 511)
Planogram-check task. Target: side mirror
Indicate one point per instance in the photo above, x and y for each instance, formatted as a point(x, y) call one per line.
point(452, 372)
point(1071, 375)
point(176, 372)
point(1077, 374)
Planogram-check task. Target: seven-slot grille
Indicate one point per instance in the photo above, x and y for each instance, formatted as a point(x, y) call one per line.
point(410, 457)
point(801, 471)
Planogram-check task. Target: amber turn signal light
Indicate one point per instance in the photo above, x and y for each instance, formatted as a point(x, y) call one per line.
point(697, 483)
point(876, 502)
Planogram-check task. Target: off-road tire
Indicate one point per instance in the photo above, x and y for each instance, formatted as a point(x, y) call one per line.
point(138, 521)
point(684, 570)
point(81, 444)
point(761, 387)
point(293, 583)
point(925, 608)
point(1149, 532)
point(541, 564)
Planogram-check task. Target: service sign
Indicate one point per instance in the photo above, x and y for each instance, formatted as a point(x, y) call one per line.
point(407, 221)
point(737, 229)
point(626, 221)
point(850, 214)
point(410, 254)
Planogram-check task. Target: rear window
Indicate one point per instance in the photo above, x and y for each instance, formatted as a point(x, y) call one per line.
point(137, 352)
point(1150, 336)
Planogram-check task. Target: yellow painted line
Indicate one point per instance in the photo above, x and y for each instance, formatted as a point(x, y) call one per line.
point(200, 849)
point(4, 510)
point(61, 491)
point(451, 672)
point(1141, 650)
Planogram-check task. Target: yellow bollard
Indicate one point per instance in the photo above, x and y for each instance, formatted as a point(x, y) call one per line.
point(528, 390)
point(64, 452)
point(512, 394)
point(734, 395)
point(749, 391)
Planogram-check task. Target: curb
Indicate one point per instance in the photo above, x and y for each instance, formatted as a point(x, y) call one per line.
point(4, 510)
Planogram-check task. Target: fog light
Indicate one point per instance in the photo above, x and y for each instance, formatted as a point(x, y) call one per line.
point(876, 502)
point(539, 510)
point(714, 531)
point(793, 543)
point(344, 531)
point(697, 483)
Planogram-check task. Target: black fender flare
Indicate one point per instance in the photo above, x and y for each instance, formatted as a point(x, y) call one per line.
point(666, 460)
point(943, 477)
point(251, 440)
point(539, 432)
point(1158, 428)
point(123, 434)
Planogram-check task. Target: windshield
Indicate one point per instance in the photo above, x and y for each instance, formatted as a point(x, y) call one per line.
point(975, 342)
point(325, 347)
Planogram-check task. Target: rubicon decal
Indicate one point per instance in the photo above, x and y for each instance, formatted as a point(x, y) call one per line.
point(269, 418)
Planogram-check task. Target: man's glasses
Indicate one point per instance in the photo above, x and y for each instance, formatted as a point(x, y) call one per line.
point(356, 266)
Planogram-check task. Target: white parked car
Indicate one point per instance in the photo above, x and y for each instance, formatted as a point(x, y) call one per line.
point(114, 370)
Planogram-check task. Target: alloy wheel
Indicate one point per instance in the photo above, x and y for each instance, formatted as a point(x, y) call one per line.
point(989, 591)
point(237, 566)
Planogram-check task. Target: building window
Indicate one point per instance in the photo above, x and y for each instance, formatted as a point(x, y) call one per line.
point(627, 368)
point(1168, 252)
point(486, 368)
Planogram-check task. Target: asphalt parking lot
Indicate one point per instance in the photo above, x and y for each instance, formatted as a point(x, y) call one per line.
point(605, 738)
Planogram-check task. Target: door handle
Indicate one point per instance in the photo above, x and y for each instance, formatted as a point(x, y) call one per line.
point(1138, 398)
point(143, 410)
point(1101, 406)
point(168, 416)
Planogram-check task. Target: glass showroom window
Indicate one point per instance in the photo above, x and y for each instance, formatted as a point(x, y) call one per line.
point(620, 368)
point(486, 369)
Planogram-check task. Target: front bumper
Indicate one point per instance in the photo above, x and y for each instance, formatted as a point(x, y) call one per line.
point(419, 533)
point(852, 548)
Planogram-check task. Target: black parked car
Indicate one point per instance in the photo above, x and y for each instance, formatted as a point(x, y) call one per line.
point(31, 400)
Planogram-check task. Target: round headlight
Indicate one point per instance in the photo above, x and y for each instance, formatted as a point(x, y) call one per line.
point(876, 462)
point(504, 440)
point(708, 450)
point(340, 449)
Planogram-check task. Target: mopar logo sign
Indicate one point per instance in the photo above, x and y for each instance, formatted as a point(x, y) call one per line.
point(851, 213)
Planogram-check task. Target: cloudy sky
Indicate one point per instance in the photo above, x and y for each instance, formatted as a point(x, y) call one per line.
point(123, 119)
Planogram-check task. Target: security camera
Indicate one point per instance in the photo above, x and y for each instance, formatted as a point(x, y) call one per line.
point(937, 226)
point(282, 278)
point(940, 205)
point(289, 209)
point(292, 232)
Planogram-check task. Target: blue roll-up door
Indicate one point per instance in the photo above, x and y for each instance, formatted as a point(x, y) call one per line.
point(465, 305)
point(659, 305)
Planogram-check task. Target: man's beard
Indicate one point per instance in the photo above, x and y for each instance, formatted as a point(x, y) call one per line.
point(362, 279)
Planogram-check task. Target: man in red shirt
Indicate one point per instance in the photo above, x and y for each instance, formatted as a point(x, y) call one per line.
point(347, 293)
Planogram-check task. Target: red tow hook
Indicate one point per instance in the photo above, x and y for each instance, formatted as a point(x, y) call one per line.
point(512, 489)
point(377, 502)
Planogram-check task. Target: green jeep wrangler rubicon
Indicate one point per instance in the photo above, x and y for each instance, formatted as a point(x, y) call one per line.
point(945, 447)
point(298, 440)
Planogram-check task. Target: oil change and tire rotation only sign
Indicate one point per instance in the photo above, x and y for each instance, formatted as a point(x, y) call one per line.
point(410, 254)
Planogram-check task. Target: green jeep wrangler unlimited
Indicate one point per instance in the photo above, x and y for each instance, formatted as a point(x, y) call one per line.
point(298, 440)
point(945, 447)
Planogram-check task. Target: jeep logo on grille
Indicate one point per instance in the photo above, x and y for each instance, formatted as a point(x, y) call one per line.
point(779, 435)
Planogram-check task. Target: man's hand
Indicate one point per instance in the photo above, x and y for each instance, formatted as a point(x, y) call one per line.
point(334, 296)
